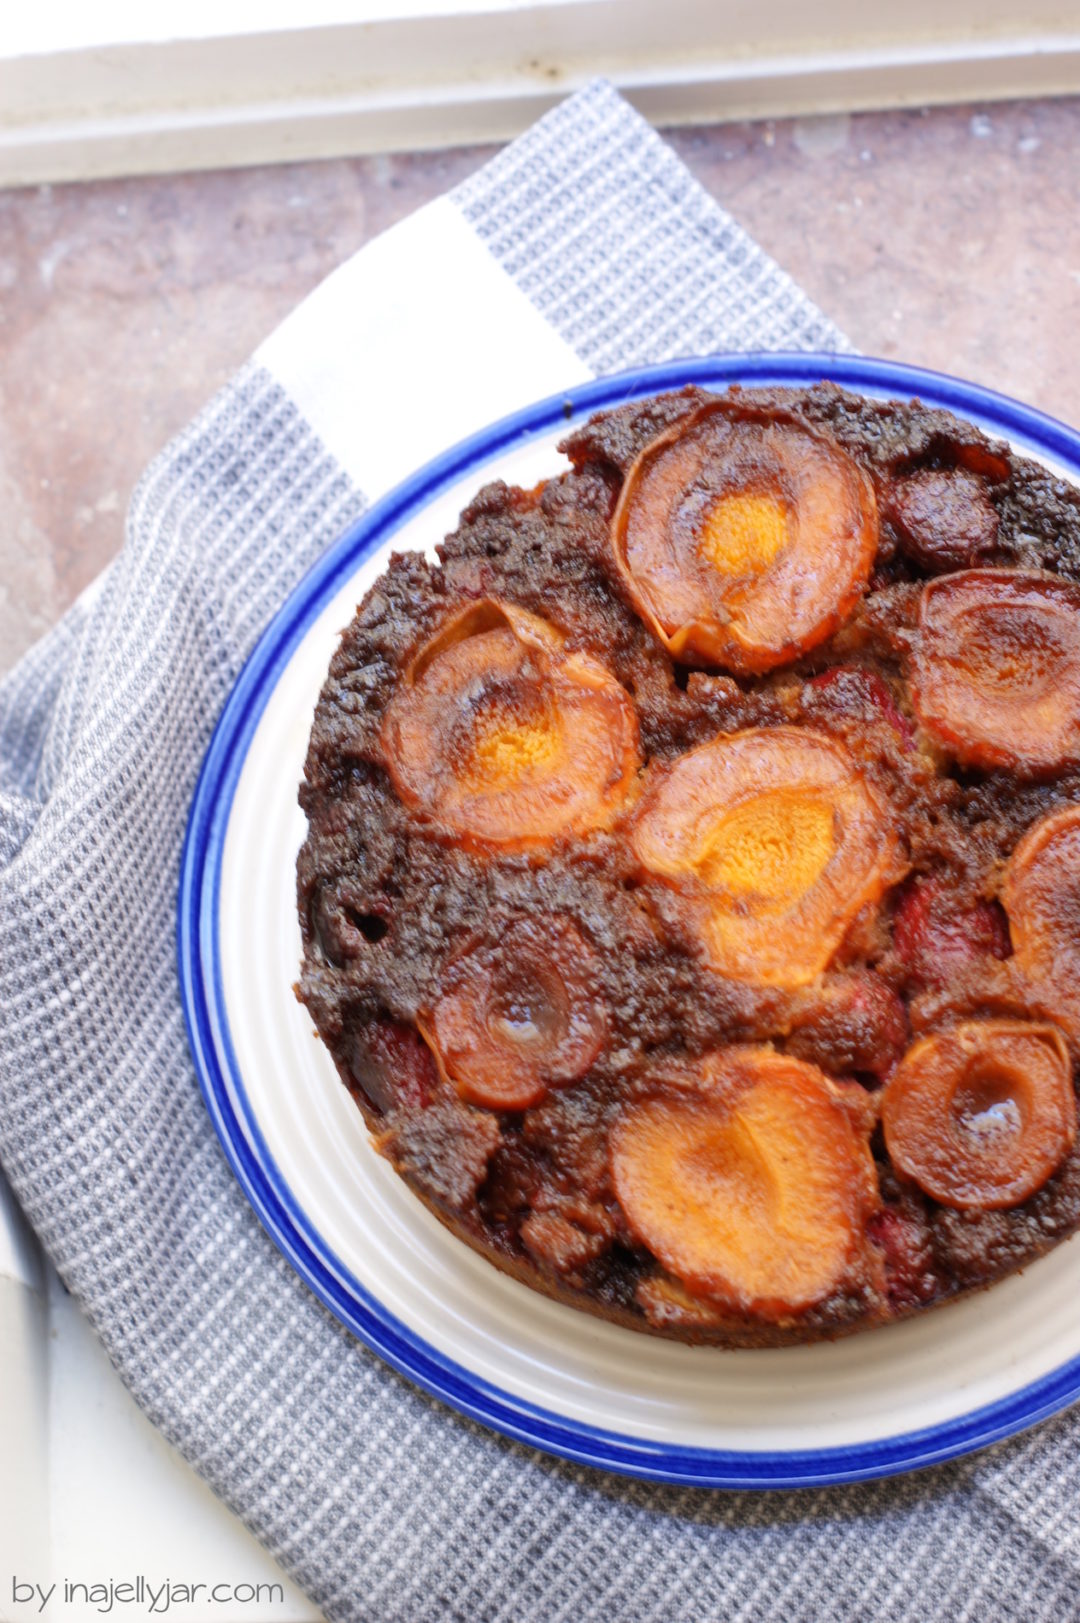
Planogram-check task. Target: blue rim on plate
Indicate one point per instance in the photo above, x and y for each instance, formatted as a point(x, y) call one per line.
point(207, 1021)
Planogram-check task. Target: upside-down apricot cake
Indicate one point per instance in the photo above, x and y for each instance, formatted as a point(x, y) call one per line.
point(691, 893)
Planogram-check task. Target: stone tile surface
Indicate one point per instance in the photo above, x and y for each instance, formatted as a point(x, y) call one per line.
point(948, 237)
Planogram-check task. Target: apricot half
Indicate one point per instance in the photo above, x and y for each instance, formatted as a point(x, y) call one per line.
point(743, 538)
point(996, 676)
point(981, 1115)
point(1041, 895)
point(519, 1013)
point(754, 1187)
point(775, 840)
point(504, 738)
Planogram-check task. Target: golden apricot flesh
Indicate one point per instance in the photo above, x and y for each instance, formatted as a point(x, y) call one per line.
point(981, 1115)
point(775, 840)
point(752, 1188)
point(743, 534)
point(504, 738)
point(996, 677)
point(743, 537)
point(519, 1013)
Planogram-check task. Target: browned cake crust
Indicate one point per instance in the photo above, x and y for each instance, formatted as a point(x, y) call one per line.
point(400, 900)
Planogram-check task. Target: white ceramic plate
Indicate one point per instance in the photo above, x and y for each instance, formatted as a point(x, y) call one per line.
point(934, 1387)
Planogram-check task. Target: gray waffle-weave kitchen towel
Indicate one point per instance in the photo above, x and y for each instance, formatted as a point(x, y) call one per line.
point(385, 1506)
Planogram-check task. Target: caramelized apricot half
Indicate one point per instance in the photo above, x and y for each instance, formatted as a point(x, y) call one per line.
point(754, 1188)
point(743, 538)
point(520, 1013)
point(996, 677)
point(981, 1115)
point(504, 738)
point(775, 841)
point(1041, 895)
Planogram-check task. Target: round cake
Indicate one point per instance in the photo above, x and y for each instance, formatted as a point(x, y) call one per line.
point(691, 894)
